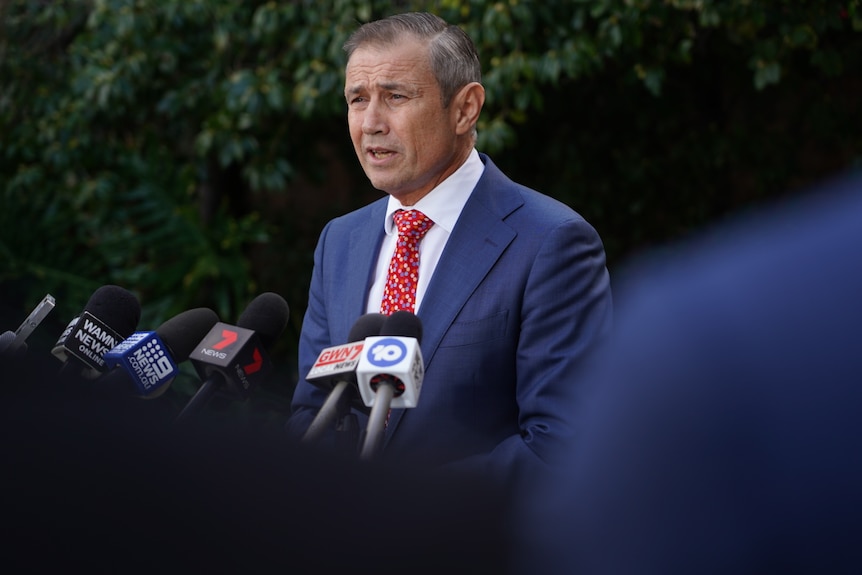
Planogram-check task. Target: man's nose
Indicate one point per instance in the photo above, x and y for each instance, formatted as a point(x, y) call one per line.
point(374, 118)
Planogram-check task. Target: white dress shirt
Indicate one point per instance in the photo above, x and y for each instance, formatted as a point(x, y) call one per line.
point(443, 205)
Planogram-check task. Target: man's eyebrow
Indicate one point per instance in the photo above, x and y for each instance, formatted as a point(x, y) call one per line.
point(395, 87)
point(404, 88)
point(387, 86)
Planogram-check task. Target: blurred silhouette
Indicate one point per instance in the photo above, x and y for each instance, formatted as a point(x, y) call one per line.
point(721, 431)
point(93, 482)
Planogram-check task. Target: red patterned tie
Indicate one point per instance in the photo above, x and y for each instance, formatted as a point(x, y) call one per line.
point(400, 290)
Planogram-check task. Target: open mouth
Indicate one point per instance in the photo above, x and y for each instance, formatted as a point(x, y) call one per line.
point(380, 154)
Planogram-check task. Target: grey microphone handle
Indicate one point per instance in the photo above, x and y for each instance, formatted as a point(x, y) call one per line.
point(377, 420)
point(327, 414)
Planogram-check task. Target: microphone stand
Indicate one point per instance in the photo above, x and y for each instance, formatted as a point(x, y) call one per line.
point(336, 410)
point(377, 420)
point(347, 433)
point(199, 399)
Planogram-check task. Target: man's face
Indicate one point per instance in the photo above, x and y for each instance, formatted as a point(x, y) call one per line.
point(404, 138)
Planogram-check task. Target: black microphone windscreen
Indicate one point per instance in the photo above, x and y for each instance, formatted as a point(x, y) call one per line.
point(367, 325)
point(183, 332)
point(267, 316)
point(402, 323)
point(115, 307)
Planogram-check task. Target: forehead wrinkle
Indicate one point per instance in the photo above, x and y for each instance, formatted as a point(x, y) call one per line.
point(404, 72)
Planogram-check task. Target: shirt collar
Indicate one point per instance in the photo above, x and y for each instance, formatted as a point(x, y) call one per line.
point(444, 203)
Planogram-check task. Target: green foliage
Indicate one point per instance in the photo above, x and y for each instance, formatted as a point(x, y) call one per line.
point(191, 150)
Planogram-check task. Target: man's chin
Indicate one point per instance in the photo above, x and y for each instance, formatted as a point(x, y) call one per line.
point(384, 184)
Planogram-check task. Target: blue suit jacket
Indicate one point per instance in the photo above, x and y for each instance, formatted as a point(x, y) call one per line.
point(520, 296)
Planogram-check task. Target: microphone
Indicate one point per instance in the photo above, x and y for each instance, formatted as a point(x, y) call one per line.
point(233, 359)
point(335, 371)
point(389, 374)
point(110, 316)
point(146, 362)
point(14, 342)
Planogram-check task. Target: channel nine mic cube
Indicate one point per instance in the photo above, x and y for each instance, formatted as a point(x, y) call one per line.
point(144, 356)
point(237, 354)
point(396, 360)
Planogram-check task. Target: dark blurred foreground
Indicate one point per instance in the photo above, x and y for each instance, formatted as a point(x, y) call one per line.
point(101, 483)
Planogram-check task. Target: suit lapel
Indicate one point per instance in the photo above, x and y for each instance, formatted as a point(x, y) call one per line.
point(472, 250)
point(364, 246)
point(476, 243)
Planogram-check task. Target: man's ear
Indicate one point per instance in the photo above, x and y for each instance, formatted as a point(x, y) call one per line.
point(466, 106)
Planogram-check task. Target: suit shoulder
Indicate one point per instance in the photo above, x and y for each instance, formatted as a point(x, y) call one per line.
point(549, 207)
point(508, 198)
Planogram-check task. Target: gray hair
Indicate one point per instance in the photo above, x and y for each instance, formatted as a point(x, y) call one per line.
point(454, 60)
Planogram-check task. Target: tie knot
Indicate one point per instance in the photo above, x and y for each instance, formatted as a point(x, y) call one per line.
point(412, 223)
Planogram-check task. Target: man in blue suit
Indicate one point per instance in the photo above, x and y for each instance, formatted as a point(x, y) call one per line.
point(512, 291)
point(721, 429)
